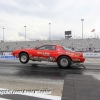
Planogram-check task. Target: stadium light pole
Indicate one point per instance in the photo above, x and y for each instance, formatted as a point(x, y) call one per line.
point(82, 27)
point(49, 31)
point(25, 33)
point(3, 34)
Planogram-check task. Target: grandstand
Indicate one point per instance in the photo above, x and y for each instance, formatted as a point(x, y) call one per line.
point(89, 44)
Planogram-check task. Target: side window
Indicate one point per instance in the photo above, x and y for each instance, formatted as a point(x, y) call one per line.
point(53, 47)
point(50, 47)
point(41, 48)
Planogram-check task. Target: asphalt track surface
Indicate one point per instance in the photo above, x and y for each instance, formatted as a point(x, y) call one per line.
point(44, 70)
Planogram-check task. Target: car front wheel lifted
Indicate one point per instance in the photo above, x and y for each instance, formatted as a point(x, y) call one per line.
point(23, 58)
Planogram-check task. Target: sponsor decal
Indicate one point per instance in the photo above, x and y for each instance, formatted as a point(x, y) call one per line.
point(62, 52)
point(77, 59)
point(36, 58)
point(68, 53)
point(59, 49)
point(51, 59)
point(39, 52)
point(44, 53)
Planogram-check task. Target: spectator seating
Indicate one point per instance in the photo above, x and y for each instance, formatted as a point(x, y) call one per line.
point(75, 44)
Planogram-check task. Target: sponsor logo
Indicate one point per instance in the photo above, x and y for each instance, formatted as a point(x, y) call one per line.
point(36, 58)
point(59, 49)
point(44, 53)
point(68, 53)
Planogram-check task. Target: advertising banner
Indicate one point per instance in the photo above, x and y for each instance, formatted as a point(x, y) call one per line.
point(91, 54)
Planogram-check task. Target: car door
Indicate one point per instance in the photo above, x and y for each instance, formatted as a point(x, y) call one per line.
point(52, 52)
point(38, 51)
point(41, 53)
point(45, 52)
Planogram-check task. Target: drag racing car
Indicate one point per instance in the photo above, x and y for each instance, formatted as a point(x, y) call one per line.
point(51, 53)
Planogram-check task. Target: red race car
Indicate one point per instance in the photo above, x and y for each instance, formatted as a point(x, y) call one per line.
point(52, 53)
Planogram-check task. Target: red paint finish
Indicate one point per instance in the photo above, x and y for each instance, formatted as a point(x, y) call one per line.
point(50, 53)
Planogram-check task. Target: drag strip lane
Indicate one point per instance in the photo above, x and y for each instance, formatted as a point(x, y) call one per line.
point(39, 75)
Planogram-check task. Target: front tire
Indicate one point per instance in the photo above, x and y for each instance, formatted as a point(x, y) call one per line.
point(23, 58)
point(64, 62)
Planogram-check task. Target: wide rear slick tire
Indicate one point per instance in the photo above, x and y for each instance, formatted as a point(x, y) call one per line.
point(64, 62)
point(23, 58)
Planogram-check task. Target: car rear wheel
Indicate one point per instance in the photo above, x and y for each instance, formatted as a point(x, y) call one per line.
point(64, 62)
point(23, 58)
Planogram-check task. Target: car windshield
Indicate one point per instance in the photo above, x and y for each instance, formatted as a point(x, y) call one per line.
point(67, 49)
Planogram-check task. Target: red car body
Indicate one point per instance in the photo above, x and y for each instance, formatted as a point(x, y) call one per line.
point(49, 53)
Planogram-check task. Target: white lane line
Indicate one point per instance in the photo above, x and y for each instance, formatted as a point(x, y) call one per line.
point(51, 97)
point(4, 99)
